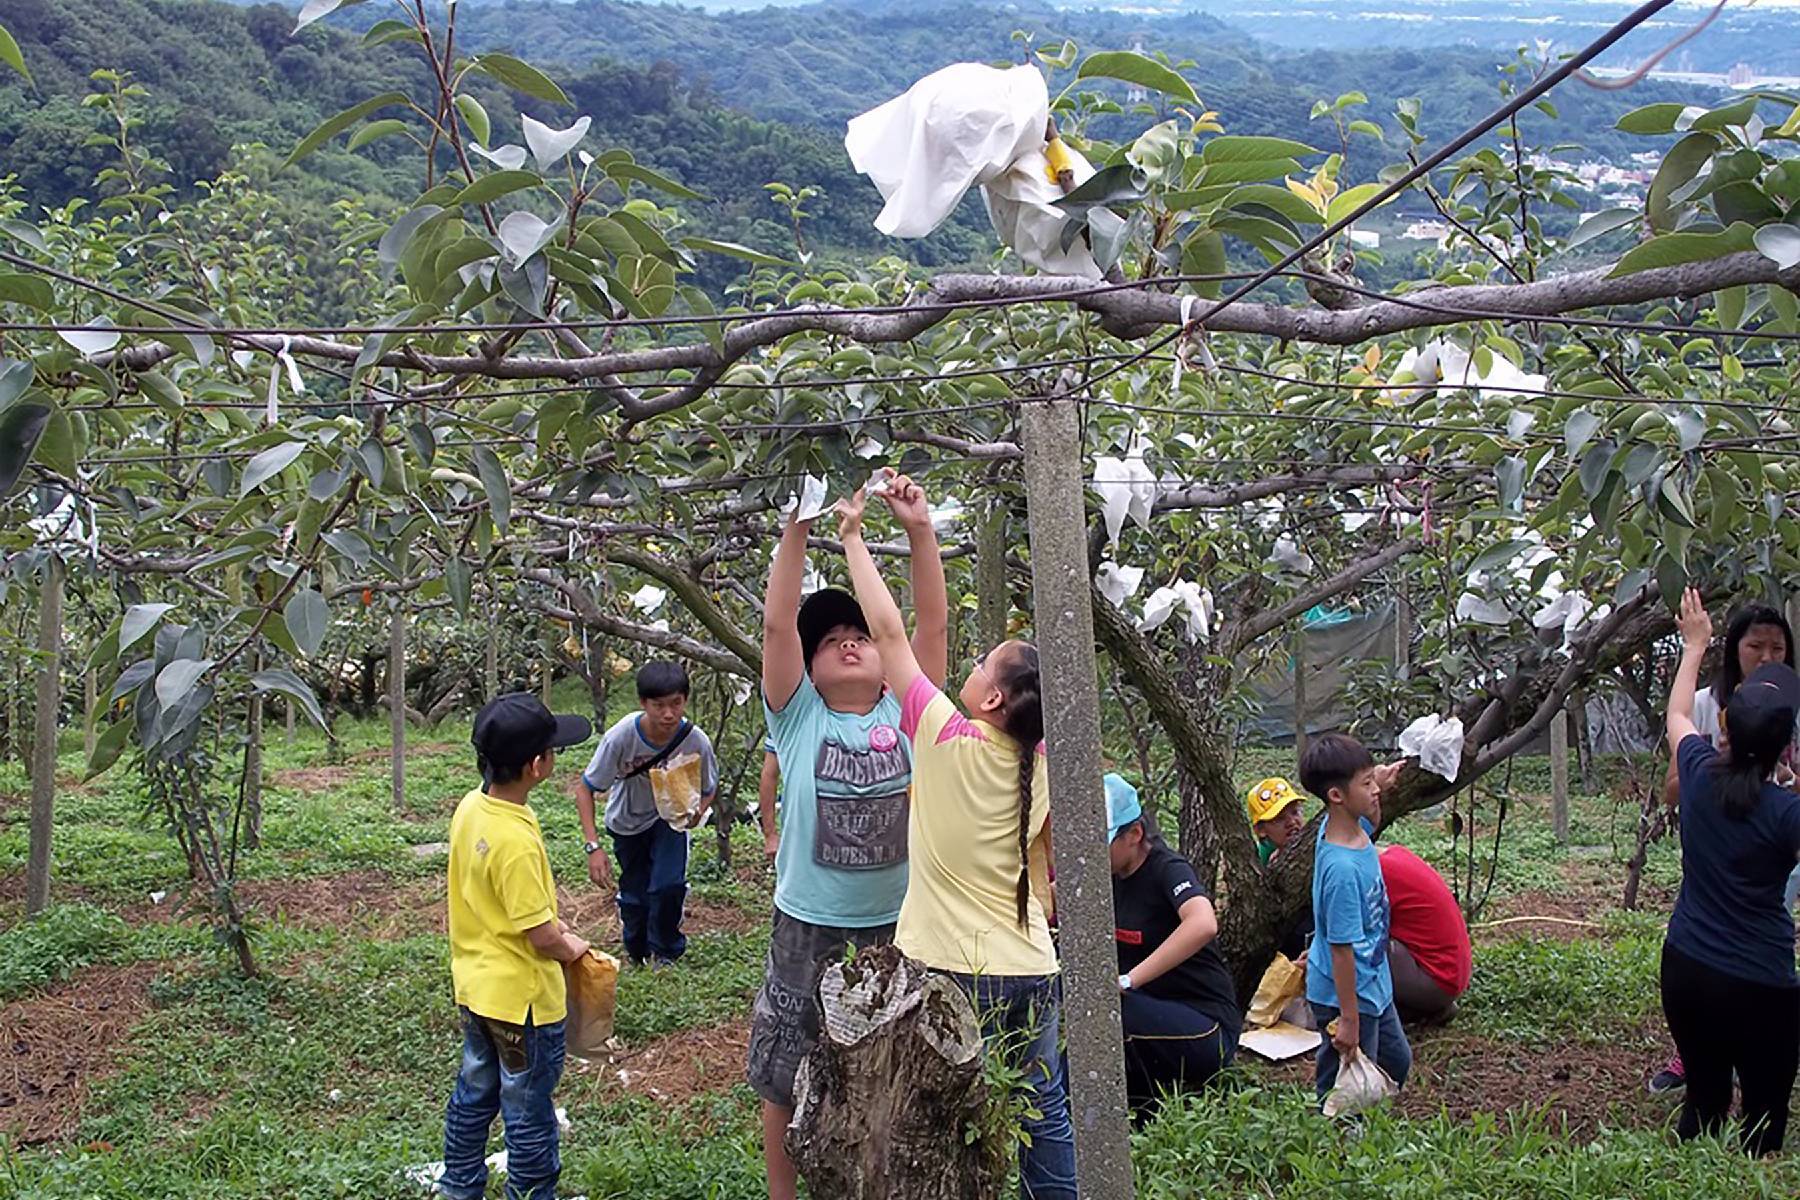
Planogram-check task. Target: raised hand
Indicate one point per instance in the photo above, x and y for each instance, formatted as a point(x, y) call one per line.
point(1693, 622)
point(850, 515)
point(907, 501)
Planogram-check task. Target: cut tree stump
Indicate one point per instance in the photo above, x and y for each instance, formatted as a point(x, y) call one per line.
point(892, 1103)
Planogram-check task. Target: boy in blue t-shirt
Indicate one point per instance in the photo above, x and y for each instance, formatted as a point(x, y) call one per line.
point(1347, 975)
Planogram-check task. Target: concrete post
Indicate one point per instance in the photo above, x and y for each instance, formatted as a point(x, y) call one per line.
point(1065, 638)
point(397, 699)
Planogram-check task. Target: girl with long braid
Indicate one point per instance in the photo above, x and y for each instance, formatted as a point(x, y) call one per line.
point(979, 844)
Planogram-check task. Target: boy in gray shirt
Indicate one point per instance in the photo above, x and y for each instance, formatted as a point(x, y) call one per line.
point(660, 776)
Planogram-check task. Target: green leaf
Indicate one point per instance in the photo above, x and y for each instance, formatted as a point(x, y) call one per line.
point(108, 746)
point(33, 291)
point(57, 449)
point(333, 126)
point(393, 243)
point(457, 581)
point(475, 116)
point(389, 30)
point(1204, 254)
point(1136, 68)
point(520, 76)
point(1601, 224)
point(290, 684)
point(644, 175)
point(1737, 113)
point(138, 620)
point(1231, 148)
point(1674, 249)
point(734, 250)
point(1678, 169)
point(494, 483)
point(1347, 202)
point(375, 130)
point(21, 428)
point(307, 618)
point(9, 54)
point(1580, 429)
point(268, 464)
point(176, 680)
point(1652, 118)
point(1497, 556)
point(496, 184)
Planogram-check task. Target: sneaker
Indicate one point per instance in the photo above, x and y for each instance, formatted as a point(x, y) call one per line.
point(1671, 1078)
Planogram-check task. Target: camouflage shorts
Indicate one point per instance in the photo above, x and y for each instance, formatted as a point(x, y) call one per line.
point(784, 1023)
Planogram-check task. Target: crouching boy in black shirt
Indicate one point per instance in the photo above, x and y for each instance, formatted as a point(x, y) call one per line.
point(1177, 1001)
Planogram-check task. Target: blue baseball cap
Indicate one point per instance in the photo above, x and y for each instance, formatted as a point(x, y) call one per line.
point(1122, 807)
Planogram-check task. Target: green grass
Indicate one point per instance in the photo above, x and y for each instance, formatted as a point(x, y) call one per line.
point(327, 1077)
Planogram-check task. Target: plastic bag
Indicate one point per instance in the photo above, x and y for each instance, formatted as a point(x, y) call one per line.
point(593, 987)
point(954, 128)
point(676, 786)
point(1022, 206)
point(1360, 1085)
point(1281, 983)
point(1436, 743)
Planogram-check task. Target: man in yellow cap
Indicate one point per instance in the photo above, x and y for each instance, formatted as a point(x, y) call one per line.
point(1277, 815)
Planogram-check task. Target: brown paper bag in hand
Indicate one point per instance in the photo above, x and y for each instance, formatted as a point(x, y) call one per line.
point(593, 983)
point(1281, 983)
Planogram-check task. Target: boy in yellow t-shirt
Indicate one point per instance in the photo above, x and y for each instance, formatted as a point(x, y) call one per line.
point(506, 951)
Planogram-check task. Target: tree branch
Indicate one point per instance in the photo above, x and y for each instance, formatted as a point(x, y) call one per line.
point(1254, 627)
point(1131, 313)
point(582, 609)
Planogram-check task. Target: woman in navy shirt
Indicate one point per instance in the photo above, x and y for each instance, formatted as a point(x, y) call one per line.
point(1729, 988)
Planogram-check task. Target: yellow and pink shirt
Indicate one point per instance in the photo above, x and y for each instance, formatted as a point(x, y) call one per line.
point(960, 913)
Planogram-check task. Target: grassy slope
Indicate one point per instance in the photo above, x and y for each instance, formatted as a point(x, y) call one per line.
point(327, 1077)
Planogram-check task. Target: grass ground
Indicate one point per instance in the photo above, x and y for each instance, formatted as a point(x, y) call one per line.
point(137, 1064)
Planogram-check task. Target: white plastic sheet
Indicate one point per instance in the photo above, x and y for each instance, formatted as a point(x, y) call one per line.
point(1360, 1085)
point(1126, 487)
point(648, 598)
point(957, 127)
point(1436, 743)
point(1186, 597)
point(1568, 610)
point(1118, 584)
point(1288, 554)
point(968, 125)
point(1470, 607)
point(808, 504)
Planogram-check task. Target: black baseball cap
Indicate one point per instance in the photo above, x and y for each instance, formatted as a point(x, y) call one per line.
point(824, 611)
point(1771, 694)
point(513, 729)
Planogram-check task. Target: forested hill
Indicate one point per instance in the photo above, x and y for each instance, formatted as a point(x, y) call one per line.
point(725, 102)
point(825, 62)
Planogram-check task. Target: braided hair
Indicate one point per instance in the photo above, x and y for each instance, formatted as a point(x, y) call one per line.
point(1022, 717)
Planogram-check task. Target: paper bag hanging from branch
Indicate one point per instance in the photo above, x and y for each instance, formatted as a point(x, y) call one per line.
point(593, 983)
point(967, 125)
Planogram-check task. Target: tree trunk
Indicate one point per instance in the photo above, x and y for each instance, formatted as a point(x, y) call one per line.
point(287, 718)
point(1559, 777)
point(991, 599)
point(397, 701)
point(43, 739)
point(90, 715)
point(883, 1103)
point(253, 768)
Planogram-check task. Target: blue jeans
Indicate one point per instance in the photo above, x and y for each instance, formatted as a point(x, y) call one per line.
point(509, 1071)
point(1030, 1006)
point(1381, 1037)
point(652, 891)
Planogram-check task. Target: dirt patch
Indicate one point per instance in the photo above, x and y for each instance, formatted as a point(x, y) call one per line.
point(384, 753)
point(681, 1066)
point(1580, 1087)
point(313, 779)
point(1540, 914)
point(420, 907)
point(55, 1045)
point(329, 901)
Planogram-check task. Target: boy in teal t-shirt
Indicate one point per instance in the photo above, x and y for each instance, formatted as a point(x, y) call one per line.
point(1347, 976)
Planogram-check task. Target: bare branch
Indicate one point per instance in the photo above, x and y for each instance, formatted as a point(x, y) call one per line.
point(1254, 627)
point(583, 610)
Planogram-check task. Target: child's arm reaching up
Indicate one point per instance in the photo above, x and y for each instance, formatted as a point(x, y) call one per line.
point(784, 665)
point(879, 610)
point(931, 602)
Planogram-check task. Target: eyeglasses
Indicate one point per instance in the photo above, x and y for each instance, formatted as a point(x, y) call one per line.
point(981, 665)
